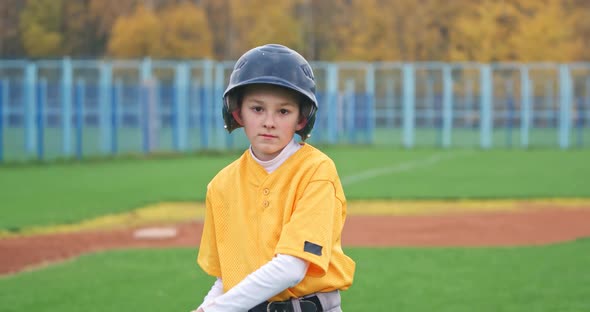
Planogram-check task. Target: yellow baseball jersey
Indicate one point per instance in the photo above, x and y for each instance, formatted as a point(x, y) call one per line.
point(299, 210)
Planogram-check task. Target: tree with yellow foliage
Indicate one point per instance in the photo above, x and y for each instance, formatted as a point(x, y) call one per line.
point(485, 31)
point(185, 32)
point(40, 26)
point(137, 35)
point(104, 14)
point(578, 12)
point(369, 34)
point(257, 22)
point(176, 32)
point(10, 43)
point(512, 30)
point(545, 33)
point(400, 30)
point(356, 30)
point(219, 22)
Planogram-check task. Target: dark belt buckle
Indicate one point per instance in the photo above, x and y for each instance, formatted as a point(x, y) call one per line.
point(287, 306)
point(308, 306)
point(279, 306)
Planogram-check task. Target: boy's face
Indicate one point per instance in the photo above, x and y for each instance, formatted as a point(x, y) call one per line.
point(270, 116)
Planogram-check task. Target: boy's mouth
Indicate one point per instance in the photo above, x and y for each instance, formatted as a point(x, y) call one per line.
point(268, 136)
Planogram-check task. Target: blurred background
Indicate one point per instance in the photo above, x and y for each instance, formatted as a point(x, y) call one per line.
point(329, 30)
point(103, 77)
point(110, 112)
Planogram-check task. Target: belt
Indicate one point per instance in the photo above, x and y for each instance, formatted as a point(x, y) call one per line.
point(308, 304)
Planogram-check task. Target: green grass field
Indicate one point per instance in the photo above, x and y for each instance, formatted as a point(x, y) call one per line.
point(543, 278)
point(69, 192)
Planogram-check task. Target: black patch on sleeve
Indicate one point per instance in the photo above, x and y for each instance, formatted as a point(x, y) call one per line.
point(312, 248)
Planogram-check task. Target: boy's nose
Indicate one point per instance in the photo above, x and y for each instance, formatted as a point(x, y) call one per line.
point(269, 121)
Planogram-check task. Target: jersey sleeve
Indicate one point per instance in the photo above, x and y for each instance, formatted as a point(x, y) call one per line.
point(208, 257)
point(310, 231)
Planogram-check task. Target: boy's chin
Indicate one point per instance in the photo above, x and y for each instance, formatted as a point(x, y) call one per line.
point(268, 150)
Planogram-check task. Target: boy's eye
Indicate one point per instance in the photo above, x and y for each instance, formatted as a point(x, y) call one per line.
point(257, 108)
point(284, 111)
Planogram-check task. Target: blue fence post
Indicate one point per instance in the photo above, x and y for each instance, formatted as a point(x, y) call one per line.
point(409, 95)
point(549, 102)
point(532, 100)
point(332, 101)
point(510, 107)
point(565, 102)
point(370, 98)
point(215, 119)
point(390, 102)
point(155, 112)
point(66, 94)
point(198, 94)
point(181, 80)
point(485, 77)
point(104, 104)
point(350, 111)
point(207, 101)
point(41, 103)
point(468, 101)
point(79, 99)
point(146, 100)
point(143, 117)
point(430, 109)
point(3, 100)
point(580, 121)
point(447, 105)
point(584, 111)
point(525, 105)
point(115, 103)
point(30, 107)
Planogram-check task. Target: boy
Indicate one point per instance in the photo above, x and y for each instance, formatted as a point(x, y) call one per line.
point(272, 232)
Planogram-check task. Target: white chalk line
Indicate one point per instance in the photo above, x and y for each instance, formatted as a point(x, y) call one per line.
point(400, 167)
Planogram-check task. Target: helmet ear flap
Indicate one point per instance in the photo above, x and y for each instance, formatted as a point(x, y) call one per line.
point(230, 104)
point(310, 117)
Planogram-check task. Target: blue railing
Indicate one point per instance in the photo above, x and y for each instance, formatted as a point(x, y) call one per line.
point(77, 108)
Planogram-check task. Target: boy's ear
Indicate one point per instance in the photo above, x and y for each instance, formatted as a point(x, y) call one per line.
point(301, 124)
point(237, 117)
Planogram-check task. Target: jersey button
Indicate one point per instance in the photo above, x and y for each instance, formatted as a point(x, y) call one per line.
point(265, 191)
point(265, 203)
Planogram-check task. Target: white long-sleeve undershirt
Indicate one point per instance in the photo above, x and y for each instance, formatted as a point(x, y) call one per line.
point(282, 272)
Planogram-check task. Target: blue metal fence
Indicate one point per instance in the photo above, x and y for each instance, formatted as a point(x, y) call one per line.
point(77, 108)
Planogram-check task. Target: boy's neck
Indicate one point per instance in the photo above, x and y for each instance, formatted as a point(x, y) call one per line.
point(273, 164)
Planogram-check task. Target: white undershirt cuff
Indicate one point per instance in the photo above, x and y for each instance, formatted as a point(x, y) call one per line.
point(282, 272)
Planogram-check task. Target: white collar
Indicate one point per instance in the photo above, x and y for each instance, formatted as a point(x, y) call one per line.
point(273, 164)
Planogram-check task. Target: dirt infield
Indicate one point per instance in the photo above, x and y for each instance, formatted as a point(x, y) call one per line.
point(529, 227)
